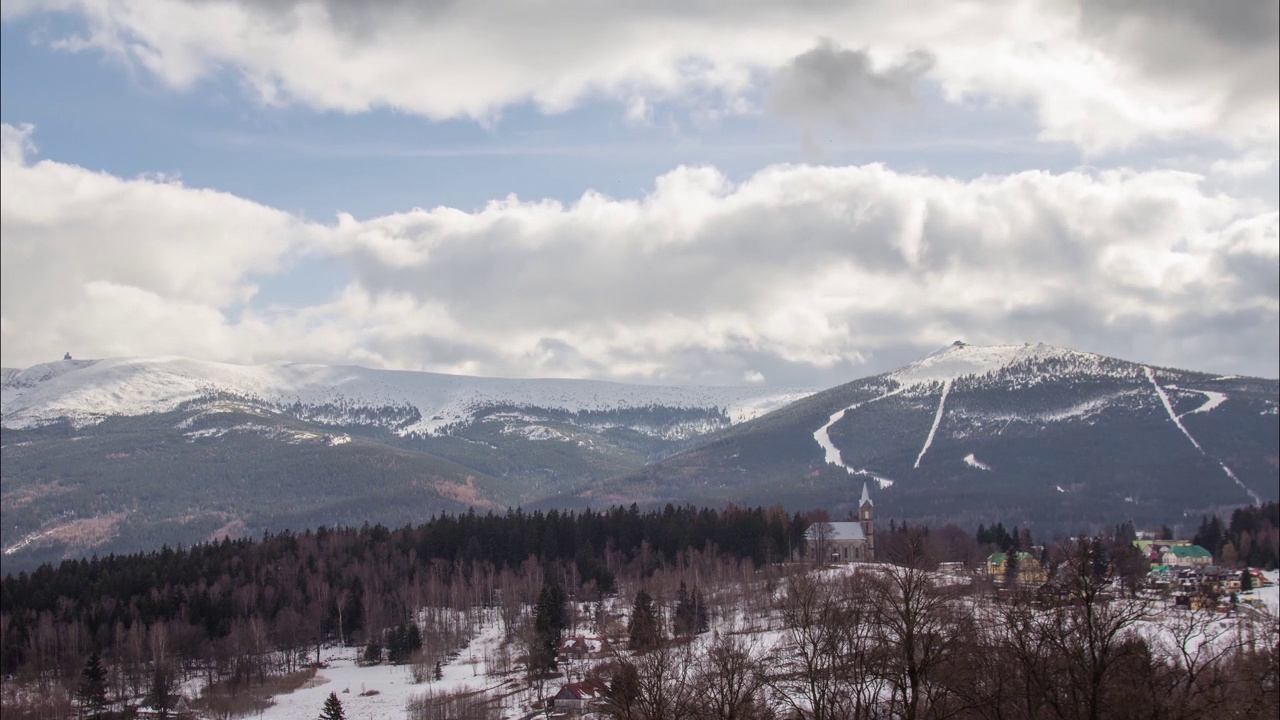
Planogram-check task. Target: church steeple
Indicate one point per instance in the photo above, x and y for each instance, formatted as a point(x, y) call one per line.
point(866, 518)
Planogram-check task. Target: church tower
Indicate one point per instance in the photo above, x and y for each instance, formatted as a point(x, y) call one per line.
point(866, 517)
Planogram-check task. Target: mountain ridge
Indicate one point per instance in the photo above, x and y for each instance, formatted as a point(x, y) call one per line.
point(929, 434)
point(29, 394)
point(123, 454)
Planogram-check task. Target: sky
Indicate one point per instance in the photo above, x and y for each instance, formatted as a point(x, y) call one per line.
point(693, 192)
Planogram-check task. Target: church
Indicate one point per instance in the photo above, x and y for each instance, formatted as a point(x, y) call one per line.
point(848, 541)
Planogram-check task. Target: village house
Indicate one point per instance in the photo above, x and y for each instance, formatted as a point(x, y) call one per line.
point(1154, 550)
point(584, 647)
point(1186, 556)
point(1029, 569)
point(580, 696)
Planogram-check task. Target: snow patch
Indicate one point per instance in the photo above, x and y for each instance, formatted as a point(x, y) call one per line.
point(960, 360)
point(880, 480)
point(974, 462)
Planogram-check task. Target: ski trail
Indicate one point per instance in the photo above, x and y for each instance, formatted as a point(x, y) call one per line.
point(1164, 400)
point(1212, 400)
point(823, 437)
point(882, 481)
point(937, 420)
point(1256, 499)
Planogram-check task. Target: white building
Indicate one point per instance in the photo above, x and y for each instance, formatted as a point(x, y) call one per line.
point(846, 541)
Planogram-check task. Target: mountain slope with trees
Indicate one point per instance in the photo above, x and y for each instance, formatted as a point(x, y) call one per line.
point(1058, 438)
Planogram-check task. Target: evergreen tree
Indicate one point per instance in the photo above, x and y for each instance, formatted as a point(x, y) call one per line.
point(92, 691)
point(549, 621)
point(1100, 560)
point(1011, 567)
point(642, 628)
point(1210, 534)
point(702, 618)
point(1246, 580)
point(332, 708)
point(682, 620)
point(413, 638)
point(438, 673)
point(691, 613)
point(623, 699)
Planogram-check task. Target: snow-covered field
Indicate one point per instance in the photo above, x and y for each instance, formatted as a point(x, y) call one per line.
point(383, 691)
point(88, 390)
point(1267, 597)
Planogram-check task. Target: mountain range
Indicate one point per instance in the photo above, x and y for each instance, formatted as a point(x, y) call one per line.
point(126, 454)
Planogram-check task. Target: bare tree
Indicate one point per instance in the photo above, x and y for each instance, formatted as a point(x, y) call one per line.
point(657, 684)
point(820, 535)
point(823, 668)
point(921, 625)
point(1078, 658)
point(731, 682)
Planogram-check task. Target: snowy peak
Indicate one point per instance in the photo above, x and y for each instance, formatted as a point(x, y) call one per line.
point(960, 360)
point(86, 391)
point(974, 432)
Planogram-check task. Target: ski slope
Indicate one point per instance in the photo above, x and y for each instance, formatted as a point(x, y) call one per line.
point(1168, 408)
point(832, 454)
point(937, 420)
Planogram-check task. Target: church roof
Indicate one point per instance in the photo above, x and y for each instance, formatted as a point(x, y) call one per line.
point(839, 531)
point(866, 497)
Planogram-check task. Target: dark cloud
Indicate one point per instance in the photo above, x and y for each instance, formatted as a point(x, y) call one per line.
point(833, 85)
point(1235, 44)
point(1235, 24)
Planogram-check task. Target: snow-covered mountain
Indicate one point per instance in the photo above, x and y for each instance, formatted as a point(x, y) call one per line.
point(127, 454)
point(120, 454)
point(1013, 432)
point(87, 391)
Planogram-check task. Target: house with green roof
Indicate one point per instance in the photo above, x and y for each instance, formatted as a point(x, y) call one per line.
point(1029, 569)
point(1186, 556)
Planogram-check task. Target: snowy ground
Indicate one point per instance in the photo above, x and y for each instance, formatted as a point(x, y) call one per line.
point(1268, 597)
point(393, 684)
point(392, 687)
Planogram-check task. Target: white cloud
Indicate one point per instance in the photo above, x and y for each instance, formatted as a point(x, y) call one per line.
point(795, 272)
point(80, 247)
point(1099, 75)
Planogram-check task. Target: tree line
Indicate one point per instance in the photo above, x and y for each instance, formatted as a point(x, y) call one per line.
point(238, 612)
point(1251, 537)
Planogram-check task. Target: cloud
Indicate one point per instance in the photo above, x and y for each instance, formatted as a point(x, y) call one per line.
point(799, 273)
point(1100, 75)
point(80, 247)
point(1218, 63)
point(833, 85)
